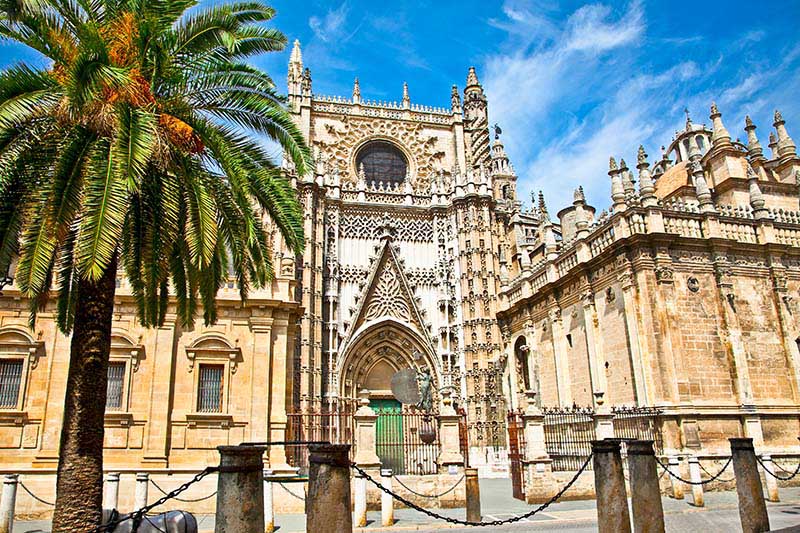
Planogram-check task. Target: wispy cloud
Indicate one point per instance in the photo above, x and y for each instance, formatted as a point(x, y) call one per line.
point(331, 27)
point(590, 91)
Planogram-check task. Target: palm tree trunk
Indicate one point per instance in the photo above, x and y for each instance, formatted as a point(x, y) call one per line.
point(79, 489)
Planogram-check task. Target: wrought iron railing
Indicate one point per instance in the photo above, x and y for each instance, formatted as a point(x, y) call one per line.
point(336, 427)
point(568, 436)
point(407, 441)
point(639, 423)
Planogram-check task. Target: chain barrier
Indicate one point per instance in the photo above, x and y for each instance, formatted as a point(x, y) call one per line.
point(459, 522)
point(782, 469)
point(140, 514)
point(162, 491)
point(415, 493)
point(284, 487)
point(776, 476)
point(34, 496)
point(710, 474)
point(688, 482)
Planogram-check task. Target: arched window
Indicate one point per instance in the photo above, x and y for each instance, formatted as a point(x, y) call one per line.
point(522, 351)
point(701, 143)
point(383, 162)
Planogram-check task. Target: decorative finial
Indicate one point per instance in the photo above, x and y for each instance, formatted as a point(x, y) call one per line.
point(455, 99)
point(543, 206)
point(720, 135)
point(497, 131)
point(754, 150)
point(296, 55)
point(356, 91)
point(646, 185)
point(748, 123)
point(612, 164)
point(714, 109)
point(757, 201)
point(406, 99)
point(778, 117)
point(472, 78)
point(578, 196)
point(641, 156)
point(786, 146)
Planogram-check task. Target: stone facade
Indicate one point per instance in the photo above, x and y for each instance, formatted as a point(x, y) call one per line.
point(683, 295)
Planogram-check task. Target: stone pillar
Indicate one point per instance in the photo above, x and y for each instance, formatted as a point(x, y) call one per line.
point(752, 509)
point(269, 507)
point(609, 483)
point(8, 501)
point(111, 491)
point(162, 375)
point(626, 280)
point(240, 491)
point(449, 440)
point(677, 487)
point(365, 420)
point(261, 346)
point(473, 494)
point(603, 419)
point(387, 502)
point(328, 507)
point(694, 477)
point(594, 343)
point(561, 358)
point(540, 484)
point(140, 496)
point(277, 403)
point(769, 478)
point(360, 508)
point(648, 513)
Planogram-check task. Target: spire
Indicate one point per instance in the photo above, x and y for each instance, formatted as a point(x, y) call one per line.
point(581, 220)
point(646, 187)
point(544, 215)
point(356, 92)
point(455, 100)
point(617, 189)
point(757, 201)
point(701, 187)
point(578, 197)
point(720, 136)
point(297, 55)
point(786, 146)
point(295, 75)
point(473, 85)
point(627, 179)
point(362, 178)
point(773, 145)
point(754, 149)
point(406, 98)
point(305, 88)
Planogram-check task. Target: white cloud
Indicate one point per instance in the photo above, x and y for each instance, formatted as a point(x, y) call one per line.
point(589, 28)
point(332, 25)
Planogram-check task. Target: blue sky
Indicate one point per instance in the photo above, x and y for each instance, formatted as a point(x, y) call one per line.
point(571, 83)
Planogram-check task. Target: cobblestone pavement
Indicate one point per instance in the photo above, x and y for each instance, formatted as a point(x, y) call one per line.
point(719, 514)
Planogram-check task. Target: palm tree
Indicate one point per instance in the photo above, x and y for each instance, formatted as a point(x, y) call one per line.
point(139, 146)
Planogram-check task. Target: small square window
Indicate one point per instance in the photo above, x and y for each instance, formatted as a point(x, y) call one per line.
point(116, 381)
point(209, 394)
point(10, 381)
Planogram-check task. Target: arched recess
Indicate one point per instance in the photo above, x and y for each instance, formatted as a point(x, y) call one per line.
point(378, 350)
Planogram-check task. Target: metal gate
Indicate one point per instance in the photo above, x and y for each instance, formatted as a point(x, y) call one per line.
point(516, 453)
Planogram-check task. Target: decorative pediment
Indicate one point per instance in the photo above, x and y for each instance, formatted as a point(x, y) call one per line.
point(387, 293)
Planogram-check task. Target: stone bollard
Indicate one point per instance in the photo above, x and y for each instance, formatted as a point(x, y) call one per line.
point(609, 483)
point(269, 509)
point(769, 478)
point(677, 487)
point(752, 508)
point(140, 495)
point(360, 510)
point(648, 513)
point(694, 476)
point(240, 490)
point(473, 490)
point(111, 491)
point(328, 502)
point(387, 502)
point(8, 501)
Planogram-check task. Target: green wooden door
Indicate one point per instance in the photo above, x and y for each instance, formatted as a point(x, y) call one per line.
point(389, 434)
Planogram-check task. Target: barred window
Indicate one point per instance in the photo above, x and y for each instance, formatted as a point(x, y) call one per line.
point(116, 379)
point(383, 162)
point(209, 397)
point(10, 380)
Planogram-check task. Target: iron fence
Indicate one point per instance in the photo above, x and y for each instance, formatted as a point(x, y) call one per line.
point(407, 441)
point(335, 427)
point(639, 423)
point(568, 436)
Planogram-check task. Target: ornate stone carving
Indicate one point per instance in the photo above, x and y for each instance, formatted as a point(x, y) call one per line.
point(387, 300)
point(693, 284)
point(370, 226)
point(665, 274)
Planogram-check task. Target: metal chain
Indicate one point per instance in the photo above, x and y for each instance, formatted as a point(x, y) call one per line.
point(784, 470)
point(456, 521)
point(415, 493)
point(710, 474)
point(284, 487)
point(776, 476)
point(34, 496)
point(162, 491)
point(139, 514)
point(688, 482)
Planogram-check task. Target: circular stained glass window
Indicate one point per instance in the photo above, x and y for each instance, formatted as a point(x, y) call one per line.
point(383, 162)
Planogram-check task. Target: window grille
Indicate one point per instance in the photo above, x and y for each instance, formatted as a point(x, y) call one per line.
point(10, 379)
point(209, 398)
point(383, 163)
point(116, 377)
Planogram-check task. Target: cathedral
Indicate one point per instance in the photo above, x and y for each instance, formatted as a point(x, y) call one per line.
point(682, 295)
